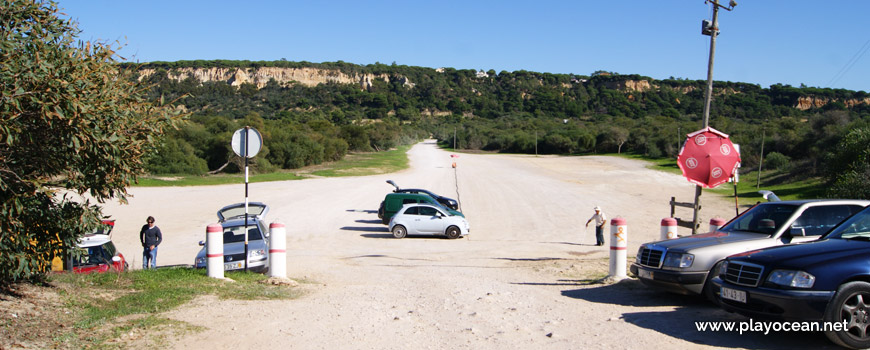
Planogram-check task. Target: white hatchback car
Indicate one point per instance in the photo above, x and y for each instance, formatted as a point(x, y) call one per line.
point(427, 219)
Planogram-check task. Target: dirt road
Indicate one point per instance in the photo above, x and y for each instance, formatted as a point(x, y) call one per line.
point(526, 277)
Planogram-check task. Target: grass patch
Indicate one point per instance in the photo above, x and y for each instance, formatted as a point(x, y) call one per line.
point(361, 164)
point(353, 164)
point(747, 193)
point(111, 309)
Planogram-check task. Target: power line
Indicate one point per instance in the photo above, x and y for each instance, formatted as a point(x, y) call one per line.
point(846, 67)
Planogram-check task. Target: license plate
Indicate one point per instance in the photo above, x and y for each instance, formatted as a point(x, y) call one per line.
point(733, 294)
point(644, 274)
point(233, 265)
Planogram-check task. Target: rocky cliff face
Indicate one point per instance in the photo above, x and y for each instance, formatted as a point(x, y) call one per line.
point(808, 102)
point(629, 85)
point(284, 76)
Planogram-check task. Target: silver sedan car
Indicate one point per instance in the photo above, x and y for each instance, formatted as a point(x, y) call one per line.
point(232, 218)
point(426, 219)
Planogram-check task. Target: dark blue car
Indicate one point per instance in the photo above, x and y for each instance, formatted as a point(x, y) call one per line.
point(824, 281)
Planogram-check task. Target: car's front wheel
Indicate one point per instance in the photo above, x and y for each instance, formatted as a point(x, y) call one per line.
point(399, 231)
point(453, 232)
point(709, 289)
point(851, 305)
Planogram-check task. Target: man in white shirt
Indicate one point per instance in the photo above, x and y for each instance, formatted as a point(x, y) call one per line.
point(600, 220)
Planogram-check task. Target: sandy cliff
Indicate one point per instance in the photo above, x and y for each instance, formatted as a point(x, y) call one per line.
point(284, 76)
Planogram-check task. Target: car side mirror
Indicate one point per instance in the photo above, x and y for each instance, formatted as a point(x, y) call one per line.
point(202, 243)
point(797, 231)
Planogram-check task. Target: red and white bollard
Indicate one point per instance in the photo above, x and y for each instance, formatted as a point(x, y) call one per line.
point(277, 250)
point(214, 250)
point(716, 224)
point(618, 246)
point(669, 229)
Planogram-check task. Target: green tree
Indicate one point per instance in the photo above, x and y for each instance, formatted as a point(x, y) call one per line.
point(70, 121)
point(849, 168)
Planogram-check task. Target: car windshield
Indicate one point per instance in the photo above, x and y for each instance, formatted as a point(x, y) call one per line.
point(236, 234)
point(856, 227)
point(764, 219)
point(428, 211)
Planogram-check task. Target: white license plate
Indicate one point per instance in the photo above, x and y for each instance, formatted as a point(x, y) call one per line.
point(644, 274)
point(733, 294)
point(233, 265)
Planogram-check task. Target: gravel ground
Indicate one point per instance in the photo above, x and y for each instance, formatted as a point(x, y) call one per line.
point(528, 276)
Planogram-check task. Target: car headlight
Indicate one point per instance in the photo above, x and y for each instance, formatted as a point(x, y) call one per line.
point(255, 253)
point(680, 260)
point(792, 278)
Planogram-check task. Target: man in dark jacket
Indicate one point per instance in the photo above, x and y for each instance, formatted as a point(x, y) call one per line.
point(150, 236)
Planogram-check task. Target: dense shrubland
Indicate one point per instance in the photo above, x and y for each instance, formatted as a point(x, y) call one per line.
point(520, 112)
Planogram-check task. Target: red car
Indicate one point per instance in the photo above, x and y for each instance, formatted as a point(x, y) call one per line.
point(95, 253)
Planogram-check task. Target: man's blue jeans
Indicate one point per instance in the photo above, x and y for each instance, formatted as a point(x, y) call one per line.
point(149, 255)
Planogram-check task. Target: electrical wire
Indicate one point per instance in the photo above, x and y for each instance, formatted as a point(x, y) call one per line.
point(846, 67)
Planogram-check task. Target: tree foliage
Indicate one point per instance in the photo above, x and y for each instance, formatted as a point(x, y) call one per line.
point(69, 121)
point(525, 112)
point(849, 168)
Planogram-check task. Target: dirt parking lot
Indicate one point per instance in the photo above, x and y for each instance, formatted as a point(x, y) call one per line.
point(527, 277)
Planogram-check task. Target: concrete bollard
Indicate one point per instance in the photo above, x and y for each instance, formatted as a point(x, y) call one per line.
point(618, 246)
point(669, 229)
point(716, 224)
point(214, 250)
point(277, 250)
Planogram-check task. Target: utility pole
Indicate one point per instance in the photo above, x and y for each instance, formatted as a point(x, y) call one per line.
point(711, 29)
point(679, 138)
point(760, 159)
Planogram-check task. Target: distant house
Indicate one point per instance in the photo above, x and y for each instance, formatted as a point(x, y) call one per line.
point(440, 70)
point(482, 74)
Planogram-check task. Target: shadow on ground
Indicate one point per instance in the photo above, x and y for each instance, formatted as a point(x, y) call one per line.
point(571, 243)
point(390, 235)
point(529, 259)
point(366, 229)
point(373, 222)
point(681, 322)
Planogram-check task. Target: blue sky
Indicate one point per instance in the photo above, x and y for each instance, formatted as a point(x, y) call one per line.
point(820, 44)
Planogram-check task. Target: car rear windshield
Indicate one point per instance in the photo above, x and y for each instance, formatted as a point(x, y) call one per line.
point(93, 255)
point(764, 219)
point(236, 234)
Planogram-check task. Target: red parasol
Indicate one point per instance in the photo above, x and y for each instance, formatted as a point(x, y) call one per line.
point(708, 158)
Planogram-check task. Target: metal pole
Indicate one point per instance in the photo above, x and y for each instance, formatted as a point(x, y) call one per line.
point(760, 160)
point(714, 31)
point(247, 129)
point(709, 93)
